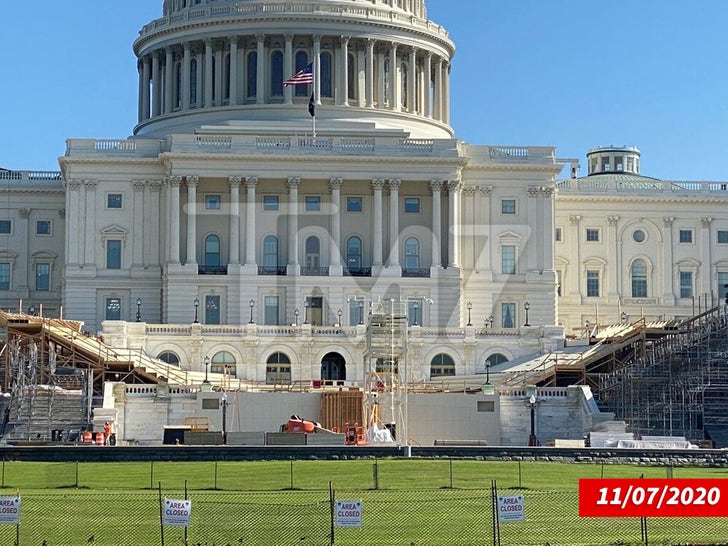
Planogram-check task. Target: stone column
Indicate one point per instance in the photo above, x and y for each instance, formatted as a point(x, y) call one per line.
point(454, 239)
point(610, 284)
point(437, 103)
point(250, 183)
point(396, 90)
point(446, 94)
point(156, 85)
point(574, 283)
point(427, 85)
point(534, 245)
point(168, 80)
point(317, 68)
point(381, 88)
point(234, 184)
point(90, 243)
point(370, 74)
point(704, 275)
point(668, 269)
point(81, 232)
point(547, 206)
point(173, 183)
point(343, 93)
point(294, 182)
point(152, 248)
point(260, 72)
point(485, 259)
point(219, 54)
point(378, 186)
point(208, 73)
point(192, 220)
point(394, 185)
point(137, 257)
point(467, 234)
point(411, 82)
point(140, 92)
point(186, 63)
point(145, 87)
point(335, 267)
point(436, 187)
point(72, 214)
point(288, 69)
point(233, 70)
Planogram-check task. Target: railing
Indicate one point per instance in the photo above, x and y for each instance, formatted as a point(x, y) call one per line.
point(614, 184)
point(212, 270)
point(315, 271)
point(409, 272)
point(31, 177)
point(357, 271)
point(271, 270)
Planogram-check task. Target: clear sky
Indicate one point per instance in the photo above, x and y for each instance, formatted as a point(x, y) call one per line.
point(574, 74)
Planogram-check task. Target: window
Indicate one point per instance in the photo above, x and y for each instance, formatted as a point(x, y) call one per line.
point(686, 235)
point(113, 254)
point(592, 284)
point(312, 203)
point(605, 165)
point(630, 163)
point(723, 285)
point(508, 206)
point(169, 357)
point(42, 277)
point(252, 89)
point(495, 359)
point(722, 237)
point(301, 62)
point(592, 235)
point(223, 362)
point(413, 313)
point(193, 81)
point(619, 163)
point(508, 315)
point(4, 276)
point(212, 309)
point(558, 235)
point(353, 253)
point(508, 260)
point(113, 200)
point(411, 254)
point(354, 204)
point(212, 202)
point(686, 284)
point(313, 252)
point(271, 310)
point(113, 309)
point(276, 74)
point(212, 250)
point(412, 204)
point(270, 202)
point(43, 227)
point(6, 227)
point(639, 236)
point(639, 279)
point(270, 251)
point(326, 87)
point(442, 365)
point(278, 369)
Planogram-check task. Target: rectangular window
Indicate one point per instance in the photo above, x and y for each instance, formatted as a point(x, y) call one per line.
point(605, 165)
point(354, 204)
point(113, 309)
point(212, 309)
point(619, 163)
point(508, 206)
point(213, 202)
point(630, 164)
point(686, 235)
point(271, 310)
point(592, 235)
point(113, 254)
point(722, 285)
point(686, 284)
point(4, 276)
point(113, 201)
point(508, 315)
point(722, 237)
point(592, 284)
point(312, 203)
point(6, 227)
point(508, 260)
point(271, 202)
point(557, 235)
point(42, 277)
point(43, 227)
point(412, 204)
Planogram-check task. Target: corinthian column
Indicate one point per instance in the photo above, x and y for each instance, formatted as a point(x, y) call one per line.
point(293, 184)
point(394, 222)
point(335, 268)
point(173, 183)
point(250, 183)
point(378, 187)
point(436, 187)
point(454, 239)
point(234, 183)
point(192, 220)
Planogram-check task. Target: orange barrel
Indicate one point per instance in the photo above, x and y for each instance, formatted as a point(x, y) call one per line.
point(100, 438)
point(87, 437)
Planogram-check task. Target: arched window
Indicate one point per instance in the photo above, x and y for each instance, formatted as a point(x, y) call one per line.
point(301, 62)
point(278, 370)
point(169, 357)
point(223, 362)
point(326, 87)
point(442, 365)
point(411, 254)
point(270, 251)
point(353, 253)
point(193, 81)
point(495, 358)
point(405, 84)
point(226, 78)
point(251, 90)
point(212, 250)
point(214, 81)
point(178, 85)
point(313, 252)
point(276, 74)
point(351, 77)
point(639, 279)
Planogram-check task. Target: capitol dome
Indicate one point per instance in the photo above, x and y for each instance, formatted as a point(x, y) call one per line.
point(376, 64)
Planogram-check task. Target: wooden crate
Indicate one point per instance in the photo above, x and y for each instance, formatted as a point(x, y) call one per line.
point(340, 407)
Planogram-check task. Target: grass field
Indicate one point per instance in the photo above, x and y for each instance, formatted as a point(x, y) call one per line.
point(406, 501)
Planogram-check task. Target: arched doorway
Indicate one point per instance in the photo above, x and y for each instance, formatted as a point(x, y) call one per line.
point(333, 367)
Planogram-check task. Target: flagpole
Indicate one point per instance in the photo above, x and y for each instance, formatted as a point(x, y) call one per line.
point(313, 120)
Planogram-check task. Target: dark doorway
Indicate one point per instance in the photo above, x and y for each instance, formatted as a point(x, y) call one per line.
point(333, 367)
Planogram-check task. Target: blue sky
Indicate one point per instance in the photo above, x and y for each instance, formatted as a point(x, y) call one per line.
point(568, 73)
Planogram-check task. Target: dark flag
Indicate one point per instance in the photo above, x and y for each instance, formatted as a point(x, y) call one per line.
point(312, 106)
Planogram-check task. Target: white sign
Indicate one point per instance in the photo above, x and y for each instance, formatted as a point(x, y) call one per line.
point(511, 508)
point(10, 510)
point(348, 513)
point(176, 513)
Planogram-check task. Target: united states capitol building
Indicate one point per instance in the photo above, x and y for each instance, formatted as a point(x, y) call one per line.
point(236, 231)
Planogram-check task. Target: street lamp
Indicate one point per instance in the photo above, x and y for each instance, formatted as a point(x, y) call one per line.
point(487, 373)
point(489, 321)
point(197, 304)
point(139, 310)
point(296, 312)
point(251, 303)
point(207, 365)
point(526, 306)
point(224, 418)
point(532, 442)
point(306, 305)
point(470, 307)
point(415, 307)
point(360, 304)
point(623, 316)
point(339, 313)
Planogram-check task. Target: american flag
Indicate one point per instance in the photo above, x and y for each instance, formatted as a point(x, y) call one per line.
point(302, 77)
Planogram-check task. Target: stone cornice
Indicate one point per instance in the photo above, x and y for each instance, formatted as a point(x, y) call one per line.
point(630, 198)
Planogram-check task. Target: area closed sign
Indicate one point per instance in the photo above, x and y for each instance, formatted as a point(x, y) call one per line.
point(511, 508)
point(348, 513)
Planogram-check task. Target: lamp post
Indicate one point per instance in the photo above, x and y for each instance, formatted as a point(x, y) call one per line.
point(470, 308)
point(224, 405)
point(526, 307)
point(251, 303)
point(306, 304)
point(207, 365)
point(31, 310)
point(360, 304)
point(296, 312)
point(487, 373)
point(415, 307)
point(139, 310)
point(197, 304)
point(339, 313)
point(532, 442)
point(623, 316)
point(489, 321)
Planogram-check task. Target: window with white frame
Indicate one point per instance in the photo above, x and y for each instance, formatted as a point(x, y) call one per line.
point(6, 227)
point(271, 202)
point(112, 309)
point(592, 235)
point(270, 314)
point(212, 309)
point(508, 260)
point(4, 276)
point(312, 203)
point(508, 315)
point(113, 254)
point(686, 284)
point(508, 206)
point(114, 200)
point(412, 205)
point(685, 236)
point(558, 235)
point(354, 204)
point(42, 277)
point(213, 201)
point(638, 274)
point(43, 227)
point(592, 284)
point(722, 237)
